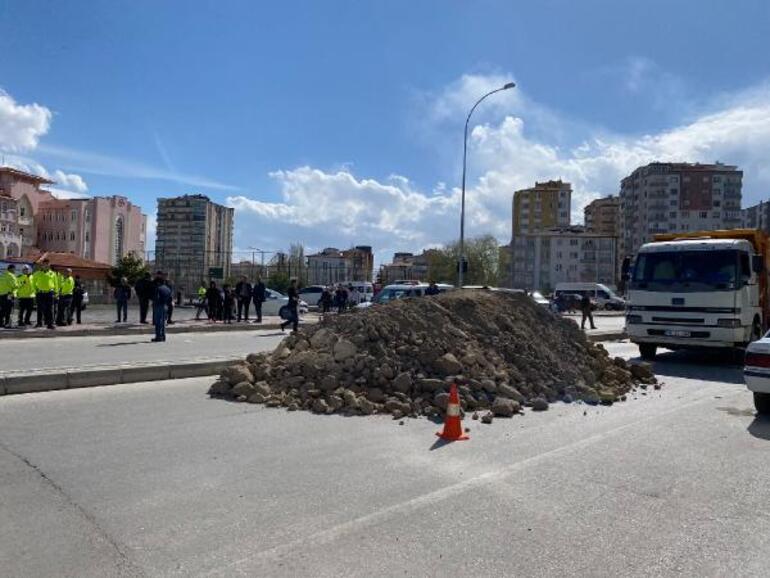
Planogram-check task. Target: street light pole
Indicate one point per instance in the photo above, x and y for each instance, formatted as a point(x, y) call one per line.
point(462, 204)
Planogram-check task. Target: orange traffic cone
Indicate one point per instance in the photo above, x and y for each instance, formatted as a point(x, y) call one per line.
point(453, 425)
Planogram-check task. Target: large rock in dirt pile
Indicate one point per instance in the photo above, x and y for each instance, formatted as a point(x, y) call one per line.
point(502, 350)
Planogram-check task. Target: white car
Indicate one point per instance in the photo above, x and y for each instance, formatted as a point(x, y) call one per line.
point(538, 298)
point(756, 373)
point(275, 300)
point(399, 291)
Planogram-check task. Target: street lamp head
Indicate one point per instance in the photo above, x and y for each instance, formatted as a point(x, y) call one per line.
point(509, 85)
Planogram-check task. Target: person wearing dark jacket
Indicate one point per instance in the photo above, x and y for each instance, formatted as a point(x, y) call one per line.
point(260, 294)
point(243, 290)
point(293, 294)
point(341, 298)
point(228, 304)
point(432, 289)
point(77, 300)
point(585, 309)
point(326, 300)
point(145, 289)
point(122, 294)
point(212, 297)
point(160, 299)
point(170, 307)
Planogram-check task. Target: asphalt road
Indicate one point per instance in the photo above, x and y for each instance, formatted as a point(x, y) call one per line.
point(20, 355)
point(158, 480)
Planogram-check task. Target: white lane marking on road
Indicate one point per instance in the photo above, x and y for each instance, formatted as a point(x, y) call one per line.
point(331, 534)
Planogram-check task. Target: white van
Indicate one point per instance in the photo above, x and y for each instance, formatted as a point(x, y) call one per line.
point(604, 297)
point(364, 288)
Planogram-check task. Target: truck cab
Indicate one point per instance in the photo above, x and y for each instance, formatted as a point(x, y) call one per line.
point(706, 291)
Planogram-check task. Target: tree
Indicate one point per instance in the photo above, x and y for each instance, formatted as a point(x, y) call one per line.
point(482, 254)
point(129, 266)
point(279, 281)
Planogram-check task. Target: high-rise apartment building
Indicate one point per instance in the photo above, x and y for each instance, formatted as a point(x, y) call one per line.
point(194, 241)
point(757, 216)
point(602, 216)
point(562, 255)
point(541, 207)
point(675, 198)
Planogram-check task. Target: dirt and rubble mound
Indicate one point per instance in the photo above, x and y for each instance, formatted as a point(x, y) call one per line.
point(502, 350)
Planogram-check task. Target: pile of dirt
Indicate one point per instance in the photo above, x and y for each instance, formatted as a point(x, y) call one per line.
point(501, 349)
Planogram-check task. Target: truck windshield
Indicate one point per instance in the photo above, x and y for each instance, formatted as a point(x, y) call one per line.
point(687, 271)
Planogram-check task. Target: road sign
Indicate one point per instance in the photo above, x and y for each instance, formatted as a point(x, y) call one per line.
point(216, 272)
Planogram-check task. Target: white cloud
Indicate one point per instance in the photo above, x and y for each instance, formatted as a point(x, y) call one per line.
point(21, 125)
point(339, 209)
point(70, 181)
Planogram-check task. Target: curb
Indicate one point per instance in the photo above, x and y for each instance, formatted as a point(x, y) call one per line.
point(113, 375)
point(146, 330)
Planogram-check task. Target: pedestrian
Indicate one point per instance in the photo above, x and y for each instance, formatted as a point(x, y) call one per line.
point(326, 300)
point(44, 281)
point(8, 285)
point(202, 307)
point(293, 294)
point(122, 294)
point(77, 300)
point(355, 296)
point(160, 300)
point(66, 288)
point(145, 289)
point(259, 293)
point(432, 289)
point(243, 290)
point(212, 296)
point(585, 309)
point(341, 298)
point(170, 306)
point(228, 304)
point(26, 296)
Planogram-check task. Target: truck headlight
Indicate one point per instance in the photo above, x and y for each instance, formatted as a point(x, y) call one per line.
point(728, 322)
point(633, 319)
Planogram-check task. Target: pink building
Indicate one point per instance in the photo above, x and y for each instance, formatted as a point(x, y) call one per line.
point(101, 229)
point(25, 189)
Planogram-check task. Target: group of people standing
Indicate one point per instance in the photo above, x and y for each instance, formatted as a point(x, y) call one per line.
point(57, 296)
point(220, 304)
point(145, 289)
point(339, 298)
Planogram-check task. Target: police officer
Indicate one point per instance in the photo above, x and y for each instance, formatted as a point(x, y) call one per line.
point(46, 286)
point(8, 284)
point(77, 300)
point(66, 288)
point(25, 293)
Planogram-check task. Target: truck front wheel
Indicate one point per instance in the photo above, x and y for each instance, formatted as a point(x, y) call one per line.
point(648, 351)
point(762, 403)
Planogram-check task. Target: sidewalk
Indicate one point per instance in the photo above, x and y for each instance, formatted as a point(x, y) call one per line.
point(134, 328)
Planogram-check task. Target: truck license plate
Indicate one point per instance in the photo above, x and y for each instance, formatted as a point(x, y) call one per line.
point(677, 333)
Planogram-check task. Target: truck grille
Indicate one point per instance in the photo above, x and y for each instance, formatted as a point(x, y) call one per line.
point(686, 320)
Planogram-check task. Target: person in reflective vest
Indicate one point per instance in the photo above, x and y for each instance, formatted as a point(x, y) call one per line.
point(26, 296)
point(66, 288)
point(44, 281)
point(8, 285)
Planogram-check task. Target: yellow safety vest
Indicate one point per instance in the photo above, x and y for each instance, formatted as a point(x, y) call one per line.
point(8, 283)
point(44, 281)
point(67, 286)
point(25, 289)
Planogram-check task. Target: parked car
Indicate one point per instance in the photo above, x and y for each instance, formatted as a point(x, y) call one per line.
point(398, 291)
point(275, 300)
point(312, 294)
point(603, 296)
point(756, 373)
point(537, 296)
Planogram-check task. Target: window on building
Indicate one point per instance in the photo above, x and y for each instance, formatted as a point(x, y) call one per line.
point(22, 211)
point(573, 242)
point(672, 215)
point(88, 237)
point(704, 214)
point(72, 235)
point(717, 203)
point(87, 216)
point(673, 203)
point(118, 238)
point(74, 216)
point(4, 207)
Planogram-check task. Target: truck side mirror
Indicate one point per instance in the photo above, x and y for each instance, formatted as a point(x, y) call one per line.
point(757, 264)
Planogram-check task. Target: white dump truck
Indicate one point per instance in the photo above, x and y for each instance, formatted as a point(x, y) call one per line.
point(706, 289)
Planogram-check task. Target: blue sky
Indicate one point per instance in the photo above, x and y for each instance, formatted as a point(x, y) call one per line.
point(334, 123)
